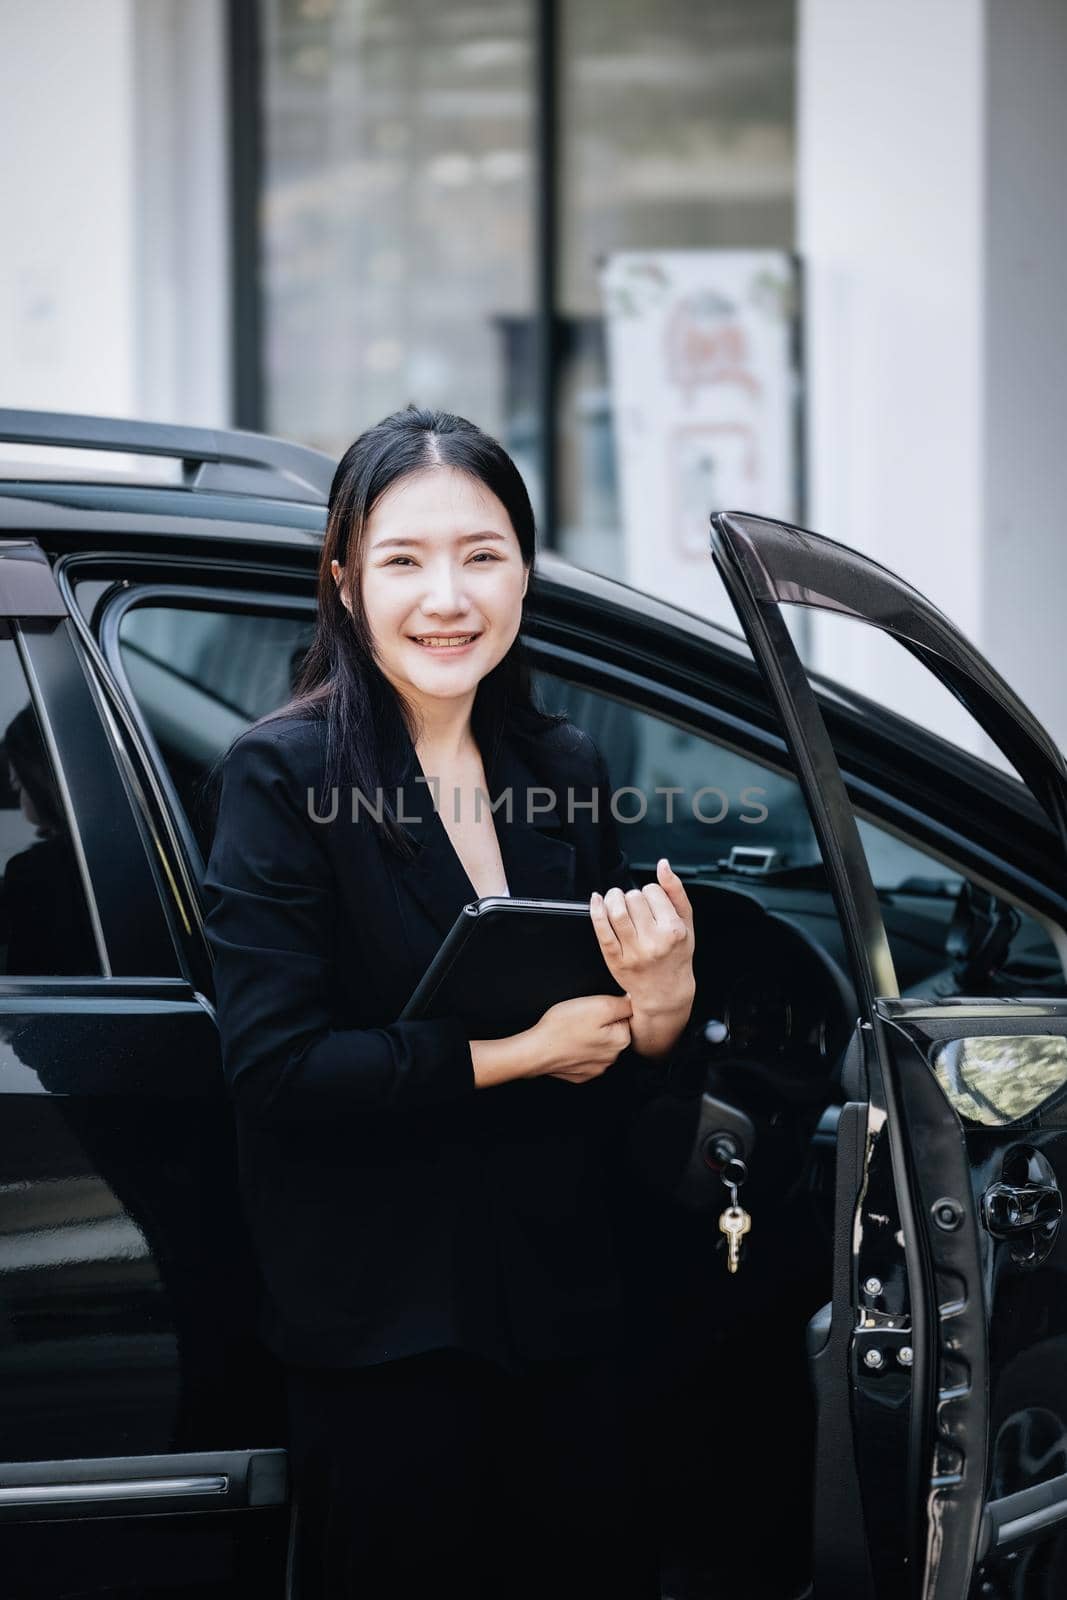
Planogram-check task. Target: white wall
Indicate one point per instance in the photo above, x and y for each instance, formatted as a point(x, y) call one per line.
point(1024, 603)
point(932, 222)
point(890, 227)
point(66, 271)
point(114, 279)
point(181, 174)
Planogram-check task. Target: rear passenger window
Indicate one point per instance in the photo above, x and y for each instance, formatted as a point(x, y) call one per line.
point(45, 928)
point(200, 677)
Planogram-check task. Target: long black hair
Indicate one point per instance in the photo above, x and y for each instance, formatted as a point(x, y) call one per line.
point(370, 727)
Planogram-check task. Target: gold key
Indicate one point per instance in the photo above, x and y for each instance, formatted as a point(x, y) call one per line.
point(735, 1222)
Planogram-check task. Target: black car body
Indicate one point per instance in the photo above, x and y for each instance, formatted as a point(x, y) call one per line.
point(876, 1402)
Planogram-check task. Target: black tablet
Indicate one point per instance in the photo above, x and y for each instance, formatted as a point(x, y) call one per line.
point(505, 960)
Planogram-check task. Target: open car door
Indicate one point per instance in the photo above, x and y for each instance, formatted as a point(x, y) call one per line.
point(941, 1366)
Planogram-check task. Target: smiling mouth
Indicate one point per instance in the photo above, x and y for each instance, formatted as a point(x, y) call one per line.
point(445, 641)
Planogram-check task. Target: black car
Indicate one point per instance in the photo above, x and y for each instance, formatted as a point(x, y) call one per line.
point(875, 1403)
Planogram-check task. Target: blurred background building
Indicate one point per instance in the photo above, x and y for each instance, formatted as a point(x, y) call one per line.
point(566, 220)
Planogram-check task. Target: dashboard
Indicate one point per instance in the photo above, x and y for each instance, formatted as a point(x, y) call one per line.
point(771, 967)
point(782, 997)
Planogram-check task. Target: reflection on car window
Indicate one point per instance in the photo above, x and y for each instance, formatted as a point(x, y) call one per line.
point(45, 928)
point(726, 800)
point(897, 865)
point(733, 817)
point(201, 677)
point(860, 657)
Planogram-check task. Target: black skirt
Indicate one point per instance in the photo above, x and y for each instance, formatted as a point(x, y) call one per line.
point(447, 1471)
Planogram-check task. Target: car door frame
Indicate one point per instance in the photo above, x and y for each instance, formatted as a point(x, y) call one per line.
point(238, 585)
point(766, 564)
point(124, 877)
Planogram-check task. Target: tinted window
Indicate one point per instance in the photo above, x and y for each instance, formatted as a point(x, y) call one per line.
point(201, 677)
point(731, 817)
point(45, 929)
point(726, 801)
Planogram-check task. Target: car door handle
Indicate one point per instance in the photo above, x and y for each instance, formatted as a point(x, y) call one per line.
point(1009, 1209)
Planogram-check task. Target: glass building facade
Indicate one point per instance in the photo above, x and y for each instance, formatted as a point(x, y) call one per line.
point(439, 183)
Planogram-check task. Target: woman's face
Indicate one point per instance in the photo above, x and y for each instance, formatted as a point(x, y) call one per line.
point(440, 558)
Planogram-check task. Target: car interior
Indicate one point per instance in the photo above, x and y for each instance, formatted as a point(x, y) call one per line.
point(721, 1358)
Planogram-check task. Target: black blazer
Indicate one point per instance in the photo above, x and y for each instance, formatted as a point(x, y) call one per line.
point(395, 1208)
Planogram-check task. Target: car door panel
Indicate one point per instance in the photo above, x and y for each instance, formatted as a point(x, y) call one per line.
point(1002, 1069)
point(140, 1422)
point(116, 1233)
point(944, 1334)
point(128, 1366)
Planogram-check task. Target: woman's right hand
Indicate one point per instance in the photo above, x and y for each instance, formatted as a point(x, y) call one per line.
point(579, 1039)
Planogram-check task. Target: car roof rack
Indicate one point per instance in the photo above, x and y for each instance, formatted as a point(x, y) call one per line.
point(226, 460)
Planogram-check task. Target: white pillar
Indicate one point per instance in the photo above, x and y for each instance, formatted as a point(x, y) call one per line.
point(932, 222)
point(115, 267)
point(66, 269)
point(1024, 601)
point(889, 209)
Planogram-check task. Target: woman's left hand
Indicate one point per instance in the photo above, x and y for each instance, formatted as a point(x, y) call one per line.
point(646, 936)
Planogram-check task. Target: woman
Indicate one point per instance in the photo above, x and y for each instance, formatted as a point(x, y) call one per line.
point(432, 1213)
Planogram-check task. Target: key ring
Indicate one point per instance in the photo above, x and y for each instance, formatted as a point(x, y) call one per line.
point(733, 1175)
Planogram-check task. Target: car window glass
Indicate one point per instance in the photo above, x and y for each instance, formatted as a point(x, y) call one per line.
point(867, 660)
point(45, 927)
point(200, 677)
point(727, 802)
point(239, 662)
point(995, 947)
point(737, 820)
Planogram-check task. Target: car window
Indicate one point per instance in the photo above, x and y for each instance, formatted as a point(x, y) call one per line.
point(201, 676)
point(233, 665)
point(727, 802)
point(713, 810)
point(858, 656)
point(45, 926)
point(986, 932)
